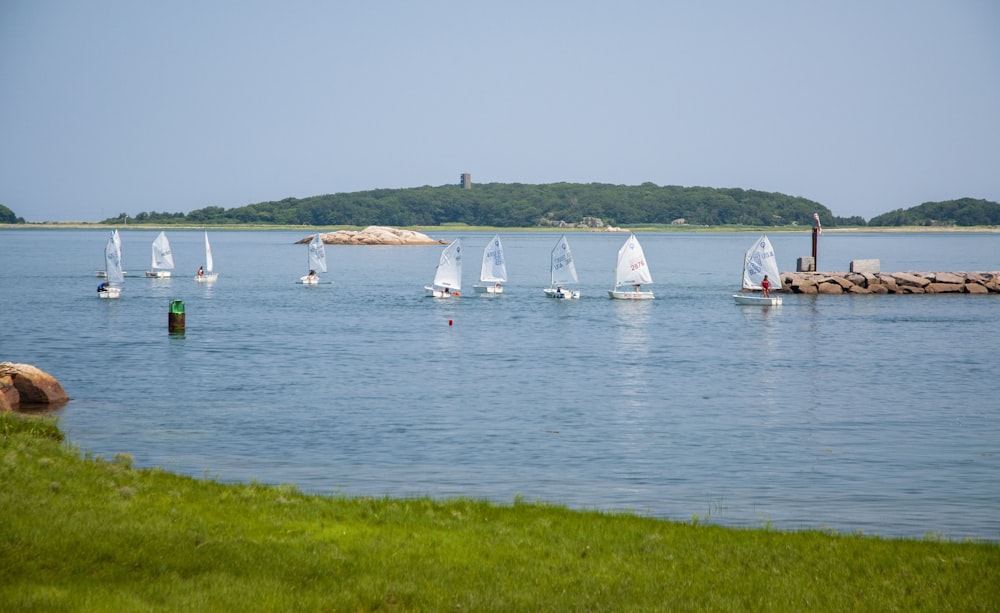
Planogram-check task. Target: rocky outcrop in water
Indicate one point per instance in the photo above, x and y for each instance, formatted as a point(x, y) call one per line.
point(374, 235)
point(891, 282)
point(22, 384)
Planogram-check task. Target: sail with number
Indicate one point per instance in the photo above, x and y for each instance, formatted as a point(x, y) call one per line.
point(449, 268)
point(163, 259)
point(563, 269)
point(494, 268)
point(632, 268)
point(113, 259)
point(317, 254)
point(759, 261)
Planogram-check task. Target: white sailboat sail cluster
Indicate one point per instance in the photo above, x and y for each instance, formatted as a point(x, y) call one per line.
point(208, 274)
point(448, 275)
point(316, 261)
point(493, 274)
point(562, 271)
point(163, 259)
point(759, 262)
point(631, 270)
point(112, 268)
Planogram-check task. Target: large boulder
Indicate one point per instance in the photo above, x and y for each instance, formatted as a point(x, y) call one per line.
point(949, 277)
point(9, 396)
point(910, 280)
point(32, 384)
point(375, 235)
point(943, 288)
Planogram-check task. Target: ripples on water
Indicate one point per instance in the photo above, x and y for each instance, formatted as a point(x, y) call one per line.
point(856, 413)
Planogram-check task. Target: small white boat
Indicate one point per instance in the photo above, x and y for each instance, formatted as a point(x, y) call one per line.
point(759, 262)
point(494, 271)
point(316, 259)
point(112, 269)
point(207, 274)
point(562, 270)
point(631, 270)
point(448, 275)
point(163, 259)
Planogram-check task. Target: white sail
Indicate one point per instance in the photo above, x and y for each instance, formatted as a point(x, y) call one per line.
point(759, 261)
point(317, 254)
point(563, 269)
point(163, 259)
point(113, 259)
point(632, 268)
point(494, 266)
point(208, 256)
point(449, 268)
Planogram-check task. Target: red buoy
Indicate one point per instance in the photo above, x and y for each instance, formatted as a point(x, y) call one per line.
point(450, 322)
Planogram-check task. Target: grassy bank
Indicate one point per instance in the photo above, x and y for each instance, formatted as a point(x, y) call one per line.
point(99, 535)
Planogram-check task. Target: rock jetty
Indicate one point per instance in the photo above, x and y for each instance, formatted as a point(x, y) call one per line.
point(22, 384)
point(374, 235)
point(890, 282)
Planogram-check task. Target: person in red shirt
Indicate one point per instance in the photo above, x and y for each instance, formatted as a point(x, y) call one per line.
point(765, 285)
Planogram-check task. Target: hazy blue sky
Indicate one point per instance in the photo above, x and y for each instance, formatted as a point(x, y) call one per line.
point(110, 106)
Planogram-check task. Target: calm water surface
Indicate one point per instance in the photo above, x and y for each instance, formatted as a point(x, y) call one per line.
point(853, 413)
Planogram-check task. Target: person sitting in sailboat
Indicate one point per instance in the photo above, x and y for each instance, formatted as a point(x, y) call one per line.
point(765, 287)
point(312, 275)
point(201, 271)
point(103, 287)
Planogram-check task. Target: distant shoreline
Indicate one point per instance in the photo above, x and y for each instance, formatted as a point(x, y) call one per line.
point(640, 228)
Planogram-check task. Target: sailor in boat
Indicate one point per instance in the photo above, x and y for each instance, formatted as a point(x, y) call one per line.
point(311, 276)
point(201, 271)
point(103, 287)
point(765, 287)
point(559, 291)
point(636, 287)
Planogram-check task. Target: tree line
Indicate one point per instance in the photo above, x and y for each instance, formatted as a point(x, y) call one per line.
point(961, 212)
point(520, 205)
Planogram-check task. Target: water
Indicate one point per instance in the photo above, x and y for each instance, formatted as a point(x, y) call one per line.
point(874, 414)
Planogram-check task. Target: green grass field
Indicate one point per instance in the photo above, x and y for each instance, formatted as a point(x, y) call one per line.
point(96, 534)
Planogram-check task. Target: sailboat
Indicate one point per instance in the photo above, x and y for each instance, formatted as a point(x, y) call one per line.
point(759, 262)
point(448, 275)
point(562, 270)
point(163, 259)
point(494, 270)
point(316, 259)
point(207, 273)
point(631, 270)
point(112, 268)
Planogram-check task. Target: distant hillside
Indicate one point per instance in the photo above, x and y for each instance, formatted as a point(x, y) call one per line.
point(523, 205)
point(962, 212)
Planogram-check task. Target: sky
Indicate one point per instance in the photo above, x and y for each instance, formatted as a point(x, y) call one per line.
point(124, 106)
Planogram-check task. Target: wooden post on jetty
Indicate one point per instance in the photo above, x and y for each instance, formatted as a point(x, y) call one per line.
point(815, 242)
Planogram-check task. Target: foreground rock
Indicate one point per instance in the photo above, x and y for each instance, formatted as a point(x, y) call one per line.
point(24, 384)
point(375, 235)
point(891, 282)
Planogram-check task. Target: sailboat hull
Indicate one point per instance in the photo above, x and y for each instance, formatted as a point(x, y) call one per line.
point(633, 295)
point(565, 294)
point(206, 278)
point(111, 292)
point(489, 289)
point(757, 300)
point(433, 292)
point(158, 274)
